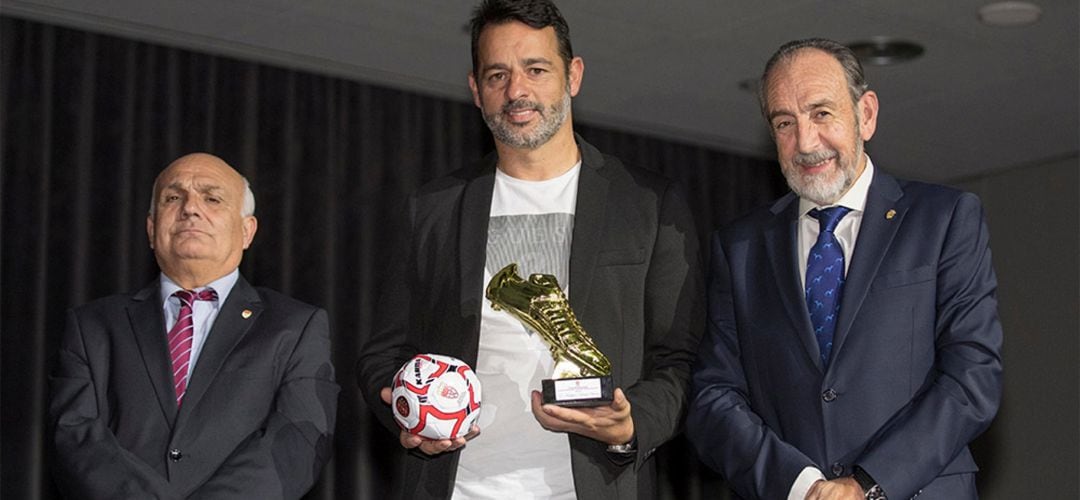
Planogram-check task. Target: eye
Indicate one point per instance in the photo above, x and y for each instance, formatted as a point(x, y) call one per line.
point(781, 124)
point(537, 71)
point(213, 199)
point(496, 77)
point(169, 198)
point(822, 114)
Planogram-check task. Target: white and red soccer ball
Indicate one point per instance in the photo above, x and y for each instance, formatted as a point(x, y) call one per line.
point(435, 396)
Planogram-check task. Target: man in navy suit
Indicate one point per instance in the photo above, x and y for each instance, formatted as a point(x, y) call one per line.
point(853, 345)
point(199, 385)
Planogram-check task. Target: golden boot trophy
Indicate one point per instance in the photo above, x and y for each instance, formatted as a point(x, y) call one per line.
point(582, 373)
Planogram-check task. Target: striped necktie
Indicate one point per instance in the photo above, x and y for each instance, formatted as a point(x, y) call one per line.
point(180, 338)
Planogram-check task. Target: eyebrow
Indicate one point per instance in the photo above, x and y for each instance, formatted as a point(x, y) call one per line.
point(202, 188)
point(527, 62)
point(824, 103)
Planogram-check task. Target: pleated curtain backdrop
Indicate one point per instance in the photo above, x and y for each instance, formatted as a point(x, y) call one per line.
point(87, 121)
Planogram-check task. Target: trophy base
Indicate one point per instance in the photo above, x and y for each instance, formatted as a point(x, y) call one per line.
point(579, 391)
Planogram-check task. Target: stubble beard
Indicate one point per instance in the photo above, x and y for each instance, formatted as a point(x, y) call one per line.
point(515, 136)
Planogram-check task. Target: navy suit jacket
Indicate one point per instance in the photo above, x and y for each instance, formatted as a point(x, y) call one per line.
point(256, 421)
point(637, 290)
point(915, 370)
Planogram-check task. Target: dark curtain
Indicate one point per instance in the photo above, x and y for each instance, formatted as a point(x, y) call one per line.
point(87, 121)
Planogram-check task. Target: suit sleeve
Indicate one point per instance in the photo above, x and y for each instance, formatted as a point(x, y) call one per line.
point(674, 320)
point(90, 462)
point(728, 435)
point(285, 457)
point(959, 400)
point(388, 345)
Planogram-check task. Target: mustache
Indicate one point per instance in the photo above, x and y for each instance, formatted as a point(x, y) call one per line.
point(814, 157)
point(521, 104)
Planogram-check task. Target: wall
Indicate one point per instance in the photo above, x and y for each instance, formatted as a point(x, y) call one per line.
point(1031, 450)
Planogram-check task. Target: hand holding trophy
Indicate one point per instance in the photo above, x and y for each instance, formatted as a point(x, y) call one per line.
point(582, 374)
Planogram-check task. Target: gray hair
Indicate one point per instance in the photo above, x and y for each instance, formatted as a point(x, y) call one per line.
point(853, 71)
point(247, 209)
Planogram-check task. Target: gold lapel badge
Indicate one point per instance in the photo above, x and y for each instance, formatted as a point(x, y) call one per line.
point(890, 214)
point(246, 313)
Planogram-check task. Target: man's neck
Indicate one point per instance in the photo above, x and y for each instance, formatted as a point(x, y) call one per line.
point(548, 161)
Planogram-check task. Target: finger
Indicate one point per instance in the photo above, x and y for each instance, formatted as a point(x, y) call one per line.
point(409, 441)
point(386, 394)
point(473, 432)
point(619, 403)
point(435, 446)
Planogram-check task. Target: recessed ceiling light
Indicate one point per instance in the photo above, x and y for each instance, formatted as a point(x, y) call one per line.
point(883, 51)
point(1009, 13)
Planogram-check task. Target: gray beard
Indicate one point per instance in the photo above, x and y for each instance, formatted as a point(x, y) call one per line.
point(550, 121)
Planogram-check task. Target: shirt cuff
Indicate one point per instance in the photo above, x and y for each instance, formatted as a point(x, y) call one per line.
point(806, 479)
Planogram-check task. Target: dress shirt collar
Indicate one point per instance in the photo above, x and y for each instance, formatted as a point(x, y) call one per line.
point(222, 286)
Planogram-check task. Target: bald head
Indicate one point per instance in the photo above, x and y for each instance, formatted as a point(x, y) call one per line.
point(200, 219)
point(246, 208)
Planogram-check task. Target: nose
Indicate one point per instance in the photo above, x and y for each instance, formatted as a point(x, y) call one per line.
point(516, 87)
point(808, 139)
point(190, 207)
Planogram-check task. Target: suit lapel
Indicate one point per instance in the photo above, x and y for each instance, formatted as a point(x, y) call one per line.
point(148, 324)
point(875, 236)
point(588, 233)
point(781, 242)
point(472, 237)
point(229, 327)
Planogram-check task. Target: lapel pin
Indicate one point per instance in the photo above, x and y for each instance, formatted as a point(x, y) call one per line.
point(246, 313)
point(890, 214)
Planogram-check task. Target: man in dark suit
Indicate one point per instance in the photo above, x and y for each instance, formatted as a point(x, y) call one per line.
point(619, 239)
point(199, 385)
point(818, 383)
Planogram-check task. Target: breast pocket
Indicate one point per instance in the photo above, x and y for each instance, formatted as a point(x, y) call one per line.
point(621, 257)
point(907, 277)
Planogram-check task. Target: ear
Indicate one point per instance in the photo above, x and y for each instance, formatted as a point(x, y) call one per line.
point(150, 229)
point(475, 90)
point(577, 72)
point(867, 114)
point(250, 225)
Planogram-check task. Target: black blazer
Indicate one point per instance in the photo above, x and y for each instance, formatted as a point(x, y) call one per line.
point(638, 291)
point(256, 421)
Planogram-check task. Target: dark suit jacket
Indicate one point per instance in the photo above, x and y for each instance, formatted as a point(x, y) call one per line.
point(638, 292)
point(915, 370)
point(256, 421)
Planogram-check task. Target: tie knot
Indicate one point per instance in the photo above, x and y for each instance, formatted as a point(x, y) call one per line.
point(188, 297)
point(830, 217)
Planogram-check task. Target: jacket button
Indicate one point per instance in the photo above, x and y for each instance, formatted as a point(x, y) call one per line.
point(837, 469)
point(175, 455)
point(829, 396)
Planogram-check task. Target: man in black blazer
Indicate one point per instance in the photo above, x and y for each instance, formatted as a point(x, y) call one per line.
point(622, 242)
point(818, 383)
point(199, 385)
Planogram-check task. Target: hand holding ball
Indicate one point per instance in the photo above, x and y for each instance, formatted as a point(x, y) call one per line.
point(435, 396)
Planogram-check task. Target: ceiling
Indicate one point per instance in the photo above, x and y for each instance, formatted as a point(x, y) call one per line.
point(980, 99)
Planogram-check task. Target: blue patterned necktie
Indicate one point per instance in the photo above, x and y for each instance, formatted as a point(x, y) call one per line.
point(825, 278)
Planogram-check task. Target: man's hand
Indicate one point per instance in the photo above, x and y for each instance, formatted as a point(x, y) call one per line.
point(838, 489)
point(611, 424)
point(429, 446)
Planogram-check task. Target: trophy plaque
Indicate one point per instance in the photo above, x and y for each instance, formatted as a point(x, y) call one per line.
point(582, 373)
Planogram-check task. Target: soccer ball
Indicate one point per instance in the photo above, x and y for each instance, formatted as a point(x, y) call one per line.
point(435, 396)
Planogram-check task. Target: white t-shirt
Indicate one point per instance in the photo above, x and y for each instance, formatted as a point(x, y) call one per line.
point(531, 224)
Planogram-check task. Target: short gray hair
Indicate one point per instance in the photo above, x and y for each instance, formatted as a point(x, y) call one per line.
point(853, 70)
